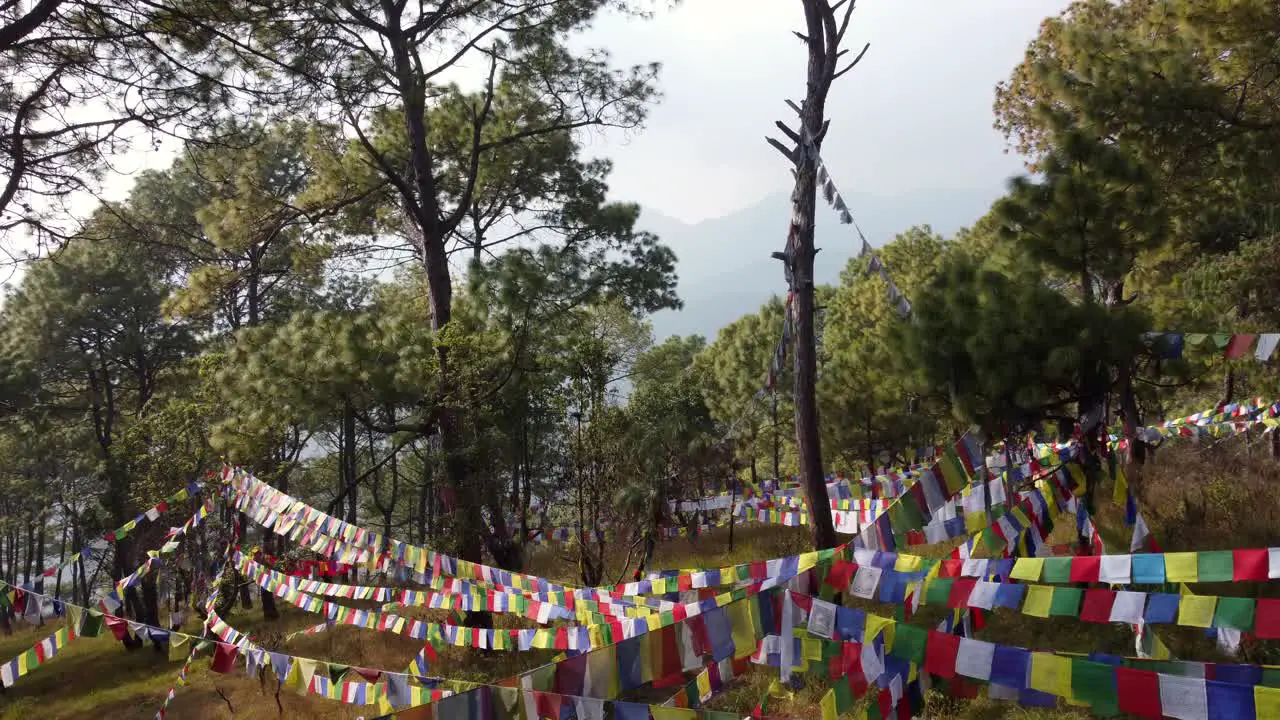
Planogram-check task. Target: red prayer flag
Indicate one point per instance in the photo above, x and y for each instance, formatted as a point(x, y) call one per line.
point(548, 704)
point(224, 658)
point(1139, 692)
point(1267, 619)
point(885, 700)
point(1239, 346)
point(841, 574)
point(961, 688)
point(1249, 565)
point(119, 627)
point(1097, 605)
point(950, 568)
point(940, 654)
point(960, 590)
point(670, 651)
point(679, 613)
point(1084, 568)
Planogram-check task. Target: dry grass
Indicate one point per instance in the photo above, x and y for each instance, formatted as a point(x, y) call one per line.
point(1187, 496)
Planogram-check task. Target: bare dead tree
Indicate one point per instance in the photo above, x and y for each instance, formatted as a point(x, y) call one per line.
point(825, 27)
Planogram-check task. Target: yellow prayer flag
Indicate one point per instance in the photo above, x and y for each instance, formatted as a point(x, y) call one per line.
point(1120, 494)
point(179, 647)
point(293, 679)
point(975, 521)
point(744, 633)
point(808, 560)
point(1266, 701)
point(828, 705)
point(704, 685)
point(1082, 480)
point(649, 655)
point(1181, 567)
point(874, 625)
point(1197, 610)
point(907, 563)
point(1039, 599)
point(1051, 674)
point(811, 648)
point(1027, 569)
point(602, 672)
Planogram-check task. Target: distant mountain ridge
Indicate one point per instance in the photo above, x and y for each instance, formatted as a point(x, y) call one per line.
point(725, 266)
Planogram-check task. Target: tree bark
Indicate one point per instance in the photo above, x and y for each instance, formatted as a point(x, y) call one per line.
point(822, 41)
point(777, 438)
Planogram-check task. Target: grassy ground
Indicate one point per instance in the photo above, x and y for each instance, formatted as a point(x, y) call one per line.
point(1194, 499)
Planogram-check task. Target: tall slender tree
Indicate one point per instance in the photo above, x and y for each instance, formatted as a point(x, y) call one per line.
point(825, 27)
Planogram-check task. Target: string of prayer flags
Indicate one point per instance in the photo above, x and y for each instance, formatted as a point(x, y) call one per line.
point(37, 655)
point(1170, 345)
point(99, 546)
point(836, 201)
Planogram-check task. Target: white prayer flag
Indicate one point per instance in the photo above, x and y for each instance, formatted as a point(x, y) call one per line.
point(1115, 569)
point(1183, 697)
point(865, 581)
point(1128, 607)
point(974, 659)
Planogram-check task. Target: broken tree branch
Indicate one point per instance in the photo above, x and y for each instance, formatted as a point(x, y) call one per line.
point(791, 154)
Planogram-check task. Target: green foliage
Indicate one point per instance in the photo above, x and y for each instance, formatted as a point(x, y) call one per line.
point(1008, 350)
point(879, 411)
point(736, 370)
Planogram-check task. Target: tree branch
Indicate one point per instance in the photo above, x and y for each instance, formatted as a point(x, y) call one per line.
point(791, 154)
point(853, 63)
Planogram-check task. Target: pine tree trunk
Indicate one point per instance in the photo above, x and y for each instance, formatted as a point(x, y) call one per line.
point(803, 201)
point(29, 555)
point(1132, 418)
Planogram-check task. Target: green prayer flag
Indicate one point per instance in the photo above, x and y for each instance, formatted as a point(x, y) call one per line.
point(844, 695)
point(1057, 570)
point(993, 542)
point(92, 626)
point(938, 591)
point(906, 515)
point(1235, 613)
point(1095, 683)
point(1066, 601)
point(909, 642)
point(1214, 566)
point(1270, 677)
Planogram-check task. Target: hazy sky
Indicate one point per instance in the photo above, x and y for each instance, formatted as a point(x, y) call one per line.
point(915, 114)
